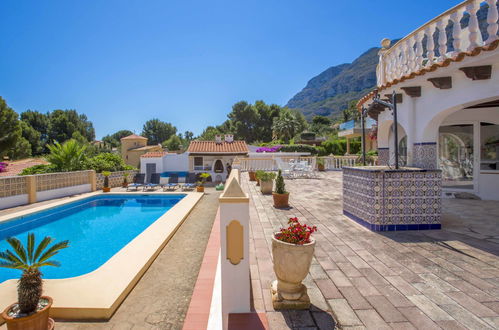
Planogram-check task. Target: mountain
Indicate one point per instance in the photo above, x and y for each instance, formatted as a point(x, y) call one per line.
point(331, 91)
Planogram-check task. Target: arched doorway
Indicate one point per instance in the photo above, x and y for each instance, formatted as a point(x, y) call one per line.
point(219, 166)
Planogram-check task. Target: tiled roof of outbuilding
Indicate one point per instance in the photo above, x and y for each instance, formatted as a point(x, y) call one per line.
point(212, 147)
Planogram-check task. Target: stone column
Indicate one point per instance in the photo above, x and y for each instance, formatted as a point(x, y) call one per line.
point(31, 188)
point(92, 180)
point(383, 156)
point(234, 246)
point(425, 155)
point(411, 132)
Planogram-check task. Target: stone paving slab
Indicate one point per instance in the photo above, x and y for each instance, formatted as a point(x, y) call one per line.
point(442, 279)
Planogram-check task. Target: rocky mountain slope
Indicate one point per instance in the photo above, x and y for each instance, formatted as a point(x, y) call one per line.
point(331, 91)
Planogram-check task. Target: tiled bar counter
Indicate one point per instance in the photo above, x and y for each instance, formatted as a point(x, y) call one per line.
point(384, 199)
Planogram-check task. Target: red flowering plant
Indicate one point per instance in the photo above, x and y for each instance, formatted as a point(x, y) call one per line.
point(296, 233)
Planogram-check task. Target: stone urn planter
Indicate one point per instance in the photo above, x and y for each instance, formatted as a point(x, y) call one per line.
point(291, 266)
point(38, 320)
point(266, 187)
point(266, 180)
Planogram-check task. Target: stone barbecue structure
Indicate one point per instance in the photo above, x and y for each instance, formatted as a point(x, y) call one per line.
point(383, 199)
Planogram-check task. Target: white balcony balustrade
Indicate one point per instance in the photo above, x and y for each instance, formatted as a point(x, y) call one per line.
point(448, 36)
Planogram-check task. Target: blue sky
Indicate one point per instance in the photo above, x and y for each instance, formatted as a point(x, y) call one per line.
point(185, 62)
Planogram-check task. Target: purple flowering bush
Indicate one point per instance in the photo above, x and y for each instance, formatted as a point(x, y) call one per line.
point(3, 167)
point(269, 149)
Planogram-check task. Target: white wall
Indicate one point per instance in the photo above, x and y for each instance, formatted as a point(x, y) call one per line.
point(176, 162)
point(12, 201)
point(167, 163)
point(156, 160)
point(62, 192)
point(422, 116)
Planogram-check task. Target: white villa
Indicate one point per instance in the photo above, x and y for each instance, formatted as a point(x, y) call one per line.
point(212, 157)
point(447, 89)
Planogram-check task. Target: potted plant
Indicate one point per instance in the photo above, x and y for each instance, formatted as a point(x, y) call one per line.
point(106, 187)
point(292, 251)
point(266, 181)
point(252, 175)
point(280, 195)
point(258, 173)
point(125, 180)
point(31, 311)
point(321, 164)
point(203, 176)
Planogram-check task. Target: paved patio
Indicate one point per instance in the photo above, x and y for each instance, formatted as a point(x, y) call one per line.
point(445, 279)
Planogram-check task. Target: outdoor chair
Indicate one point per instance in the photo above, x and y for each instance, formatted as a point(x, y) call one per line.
point(190, 182)
point(153, 182)
point(286, 169)
point(138, 181)
point(172, 182)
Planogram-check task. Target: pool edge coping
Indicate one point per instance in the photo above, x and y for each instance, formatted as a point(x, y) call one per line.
point(97, 295)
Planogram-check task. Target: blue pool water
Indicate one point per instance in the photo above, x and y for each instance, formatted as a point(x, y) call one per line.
point(181, 174)
point(96, 227)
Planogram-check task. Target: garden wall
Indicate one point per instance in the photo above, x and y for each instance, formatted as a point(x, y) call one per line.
point(20, 190)
point(115, 179)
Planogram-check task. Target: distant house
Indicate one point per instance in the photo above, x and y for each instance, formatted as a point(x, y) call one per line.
point(311, 139)
point(201, 156)
point(133, 146)
point(352, 129)
point(213, 156)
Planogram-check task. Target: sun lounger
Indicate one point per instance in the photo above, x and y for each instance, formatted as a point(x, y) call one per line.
point(172, 182)
point(154, 182)
point(190, 182)
point(138, 181)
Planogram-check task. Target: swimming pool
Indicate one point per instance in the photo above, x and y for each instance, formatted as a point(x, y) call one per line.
point(181, 174)
point(97, 228)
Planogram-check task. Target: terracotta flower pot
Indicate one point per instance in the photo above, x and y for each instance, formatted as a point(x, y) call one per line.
point(266, 187)
point(281, 200)
point(257, 182)
point(200, 188)
point(320, 167)
point(106, 189)
point(291, 266)
point(35, 321)
point(252, 175)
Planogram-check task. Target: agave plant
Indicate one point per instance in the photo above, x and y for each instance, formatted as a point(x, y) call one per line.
point(30, 259)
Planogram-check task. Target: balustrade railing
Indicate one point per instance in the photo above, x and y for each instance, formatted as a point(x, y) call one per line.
point(445, 37)
point(270, 163)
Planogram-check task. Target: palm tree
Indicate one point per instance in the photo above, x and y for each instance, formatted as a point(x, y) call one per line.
point(66, 157)
point(29, 260)
point(287, 125)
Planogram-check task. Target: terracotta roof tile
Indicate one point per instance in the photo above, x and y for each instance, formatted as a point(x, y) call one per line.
point(235, 147)
point(133, 137)
point(154, 154)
